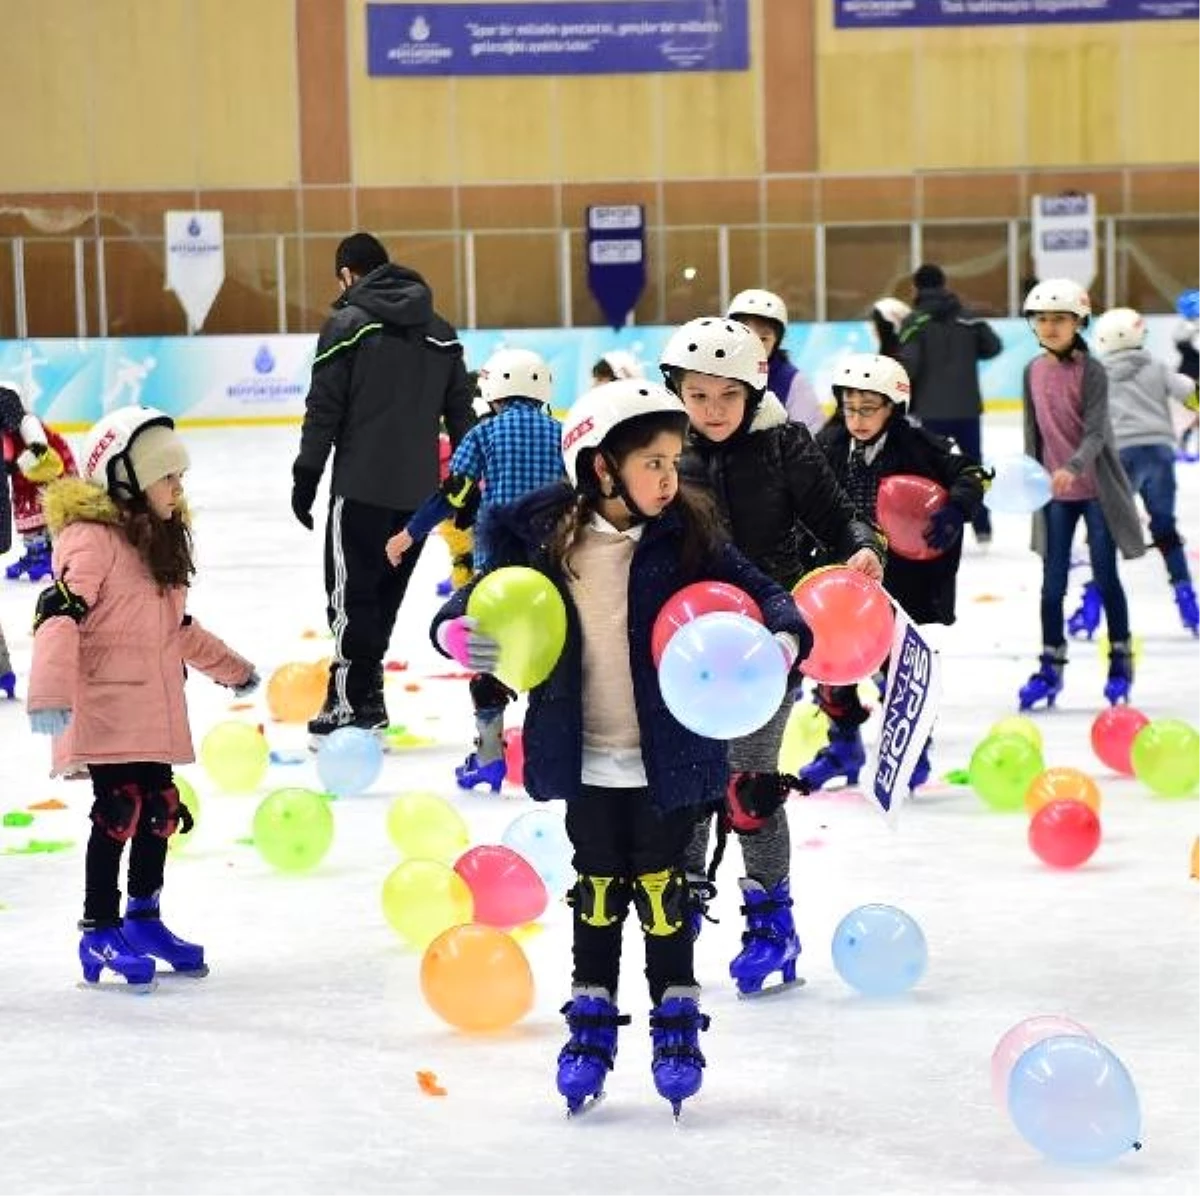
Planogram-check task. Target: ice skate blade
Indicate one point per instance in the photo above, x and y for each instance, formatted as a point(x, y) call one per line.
point(586, 1105)
point(183, 973)
point(771, 990)
point(118, 986)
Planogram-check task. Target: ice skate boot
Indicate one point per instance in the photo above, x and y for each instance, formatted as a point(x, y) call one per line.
point(445, 587)
point(34, 562)
point(678, 1065)
point(1086, 618)
point(587, 1058)
point(769, 942)
point(1189, 612)
point(470, 774)
point(1046, 684)
point(923, 767)
point(145, 933)
point(485, 765)
point(1120, 673)
point(844, 756)
point(104, 946)
point(8, 685)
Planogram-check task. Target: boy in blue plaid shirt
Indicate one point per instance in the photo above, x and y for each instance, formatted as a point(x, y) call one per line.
point(497, 462)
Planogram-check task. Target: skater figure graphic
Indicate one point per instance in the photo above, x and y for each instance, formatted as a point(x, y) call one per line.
point(128, 382)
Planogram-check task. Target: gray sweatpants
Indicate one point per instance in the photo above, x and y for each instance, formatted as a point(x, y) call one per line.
point(5, 663)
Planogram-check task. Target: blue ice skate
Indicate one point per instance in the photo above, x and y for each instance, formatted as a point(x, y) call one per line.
point(1185, 600)
point(145, 933)
point(587, 1058)
point(1086, 618)
point(769, 942)
point(844, 756)
point(1120, 673)
point(104, 946)
point(34, 564)
point(1046, 684)
point(678, 1065)
point(470, 774)
point(8, 683)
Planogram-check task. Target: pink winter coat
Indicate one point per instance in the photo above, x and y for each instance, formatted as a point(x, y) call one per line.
point(120, 670)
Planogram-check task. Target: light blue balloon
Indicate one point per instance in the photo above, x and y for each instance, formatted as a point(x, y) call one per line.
point(1072, 1099)
point(879, 950)
point(540, 836)
point(349, 761)
point(722, 675)
point(1020, 487)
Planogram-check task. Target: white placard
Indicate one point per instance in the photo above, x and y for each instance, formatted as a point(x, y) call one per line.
point(195, 261)
point(1063, 237)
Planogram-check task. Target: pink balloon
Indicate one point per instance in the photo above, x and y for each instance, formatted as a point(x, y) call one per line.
point(1018, 1040)
point(507, 889)
point(454, 640)
point(514, 756)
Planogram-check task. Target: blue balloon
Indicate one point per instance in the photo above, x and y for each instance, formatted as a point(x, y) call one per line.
point(1072, 1099)
point(349, 761)
point(1188, 304)
point(879, 950)
point(540, 836)
point(1020, 487)
point(723, 675)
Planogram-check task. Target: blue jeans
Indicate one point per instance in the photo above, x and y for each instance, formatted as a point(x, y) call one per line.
point(1151, 470)
point(1061, 518)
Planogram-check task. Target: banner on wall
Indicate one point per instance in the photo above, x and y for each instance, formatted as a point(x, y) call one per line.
point(1063, 237)
point(195, 261)
point(559, 37)
point(878, 14)
point(616, 258)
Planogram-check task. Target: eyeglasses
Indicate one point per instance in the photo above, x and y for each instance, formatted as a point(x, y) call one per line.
point(862, 412)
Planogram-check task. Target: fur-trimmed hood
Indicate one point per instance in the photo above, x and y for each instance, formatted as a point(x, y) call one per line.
point(72, 500)
point(769, 414)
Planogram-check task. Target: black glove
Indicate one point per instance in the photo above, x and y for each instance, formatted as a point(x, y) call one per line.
point(752, 797)
point(304, 494)
point(945, 526)
point(55, 601)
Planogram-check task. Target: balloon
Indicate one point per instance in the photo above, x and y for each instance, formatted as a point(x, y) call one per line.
point(1112, 736)
point(1001, 770)
point(1020, 487)
point(523, 612)
point(702, 598)
point(1103, 648)
point(293, 829)
point(507, 890)
point(456, 641)
point(1064, 834)
point(1018, 1040)
point(879, 950)
point(540, 837)
point(1194, 869)
point(178, 841)
point(903, 506)
point(723, 675)
point(1166, 757)
point(424, 826)
point(514, 756)
point(296, 692)
point(349, 761)
point(851, 620)
point(1019, 724)
point(235, 755)
point(806, 733)
point(423, 898)
point(1072, 1099)
point(1062, 784)
point(477, 978)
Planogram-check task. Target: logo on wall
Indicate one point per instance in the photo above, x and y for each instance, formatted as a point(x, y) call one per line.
point(195, 256)
point(263, 387)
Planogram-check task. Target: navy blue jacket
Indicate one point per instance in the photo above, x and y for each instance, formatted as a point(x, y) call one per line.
point(682, 768)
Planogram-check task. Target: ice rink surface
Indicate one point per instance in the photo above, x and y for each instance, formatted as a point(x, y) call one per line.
point(292, 1068)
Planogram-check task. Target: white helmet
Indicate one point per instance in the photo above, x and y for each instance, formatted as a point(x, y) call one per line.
point(1120, 328)
point(894, 310)
point(720, 347)
point(764, 304)
point(106, 457)
point(623, 364)
point(594, 415)
point(1058, 294)
point(870, 371)
point(516, 374)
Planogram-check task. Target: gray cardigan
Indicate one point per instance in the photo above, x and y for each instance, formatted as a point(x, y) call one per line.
point(1098, 449)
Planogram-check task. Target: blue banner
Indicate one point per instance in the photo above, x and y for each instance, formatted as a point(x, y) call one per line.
point(558, 38)
point(616, 258)
point(914, 14)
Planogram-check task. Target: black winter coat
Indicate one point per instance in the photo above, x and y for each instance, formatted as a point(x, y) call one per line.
point(387, 372)
point(682, 768)
point(780, 500)
point(925, 589)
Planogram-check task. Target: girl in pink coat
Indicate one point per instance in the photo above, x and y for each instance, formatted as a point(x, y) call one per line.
point(111, 642)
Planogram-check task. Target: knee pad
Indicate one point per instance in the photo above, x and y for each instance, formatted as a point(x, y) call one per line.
point(841, 703)
point(752, 797)
point(600, 901)
point(164, 813)
point(488, 692)
point(116, 811)
point(662, 901)
point(1168, 541)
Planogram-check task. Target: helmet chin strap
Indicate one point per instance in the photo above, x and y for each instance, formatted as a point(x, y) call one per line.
point(620, 491)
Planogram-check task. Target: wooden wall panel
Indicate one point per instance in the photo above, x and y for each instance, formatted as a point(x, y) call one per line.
point(495, 144)
point(609, 129)
point(710, 126)
point(1072, 87)
point(1161, 118)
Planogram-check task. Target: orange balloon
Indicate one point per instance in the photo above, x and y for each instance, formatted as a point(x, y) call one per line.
point(296, 692)
point(1062, 784)
point(477, 978)
point(851, 621)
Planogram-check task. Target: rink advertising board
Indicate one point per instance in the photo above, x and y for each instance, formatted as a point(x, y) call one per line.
point(915, 14)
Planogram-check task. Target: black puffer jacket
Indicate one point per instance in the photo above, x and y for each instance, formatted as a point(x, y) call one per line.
point(778, 495)
point(388, 371)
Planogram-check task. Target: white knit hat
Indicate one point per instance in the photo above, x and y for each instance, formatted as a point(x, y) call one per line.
point(155, 452)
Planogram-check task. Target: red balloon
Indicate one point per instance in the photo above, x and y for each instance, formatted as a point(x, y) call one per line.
point(851, 621)
point(1112, 736)
point(903, 506)
point(1064, 834)
point(702, 598)
point(508, 891)
point(514, 756)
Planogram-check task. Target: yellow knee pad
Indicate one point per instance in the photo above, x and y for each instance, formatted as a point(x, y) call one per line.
point(661, 900)
point(600, 900)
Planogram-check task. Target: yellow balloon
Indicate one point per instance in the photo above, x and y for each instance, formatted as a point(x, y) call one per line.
point(423, 898)
point(178, 841)
point(523, 612)
point(806, 733)
point(1102, 647)
point(235, 755)
point(424, 826)
point(1019, 724)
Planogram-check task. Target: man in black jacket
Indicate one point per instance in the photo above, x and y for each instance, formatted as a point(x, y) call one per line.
point(941, 345)
point(388, 371)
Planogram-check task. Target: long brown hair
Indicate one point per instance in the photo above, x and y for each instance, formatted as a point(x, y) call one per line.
point(165, 545)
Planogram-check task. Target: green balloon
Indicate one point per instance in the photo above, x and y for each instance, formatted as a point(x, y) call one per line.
point(523, 612)
point(293, 829)
point(423, 898)
point(1166, 757)
point(424, 826)
point(1002, 769)
point(806, 733)
point(236, 756)
point(179, 841)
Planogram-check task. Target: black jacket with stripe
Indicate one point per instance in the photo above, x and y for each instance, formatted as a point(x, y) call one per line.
point(388, 371)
